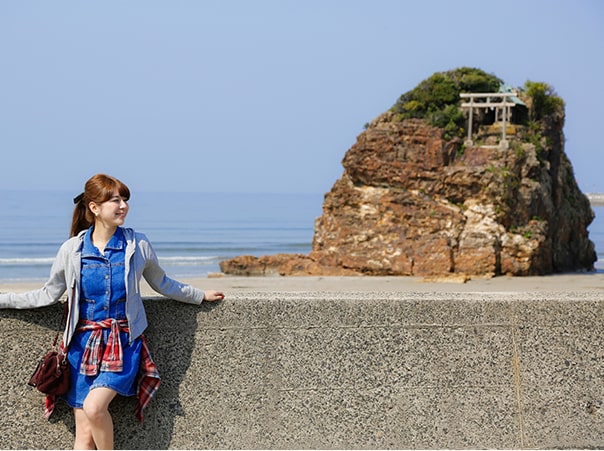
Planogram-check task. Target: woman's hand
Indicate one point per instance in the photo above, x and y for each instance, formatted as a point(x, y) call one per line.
point(213, 295)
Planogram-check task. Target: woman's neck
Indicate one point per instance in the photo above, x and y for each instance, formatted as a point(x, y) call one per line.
point(101, 236)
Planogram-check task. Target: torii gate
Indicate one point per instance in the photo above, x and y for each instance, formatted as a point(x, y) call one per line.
point(503, 106)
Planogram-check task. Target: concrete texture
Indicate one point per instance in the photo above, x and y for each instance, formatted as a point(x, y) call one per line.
point(343, 370)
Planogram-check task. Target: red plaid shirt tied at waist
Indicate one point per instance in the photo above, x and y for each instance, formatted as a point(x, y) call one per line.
point(110, 358)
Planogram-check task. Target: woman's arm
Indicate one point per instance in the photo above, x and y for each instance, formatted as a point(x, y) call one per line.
point(157, 279)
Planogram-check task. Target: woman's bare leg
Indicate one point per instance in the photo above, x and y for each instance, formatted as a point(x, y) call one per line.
point(96, 409)
point(83, 432)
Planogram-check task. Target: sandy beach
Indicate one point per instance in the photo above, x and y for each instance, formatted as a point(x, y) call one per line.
point(572, 282)
point(556, 283)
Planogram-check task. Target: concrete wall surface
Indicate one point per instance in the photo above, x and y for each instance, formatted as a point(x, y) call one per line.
point(343, 370)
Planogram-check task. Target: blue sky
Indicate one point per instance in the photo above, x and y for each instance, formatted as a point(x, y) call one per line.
point(263, 96)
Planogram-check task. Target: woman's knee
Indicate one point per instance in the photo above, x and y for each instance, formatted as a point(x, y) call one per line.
point(94, 411)
point(96, 404)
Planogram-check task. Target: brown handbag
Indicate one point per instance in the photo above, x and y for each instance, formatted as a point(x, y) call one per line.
point(52, 376)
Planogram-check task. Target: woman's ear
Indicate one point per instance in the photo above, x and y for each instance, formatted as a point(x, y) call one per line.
point(94, 208)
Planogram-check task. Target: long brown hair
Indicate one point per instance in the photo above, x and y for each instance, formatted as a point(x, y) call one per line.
point(98, 189)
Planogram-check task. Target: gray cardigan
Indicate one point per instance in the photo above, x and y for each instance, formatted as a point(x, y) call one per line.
point(141, 260)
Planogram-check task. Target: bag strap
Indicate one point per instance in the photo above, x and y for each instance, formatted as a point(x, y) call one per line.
point(63, 324)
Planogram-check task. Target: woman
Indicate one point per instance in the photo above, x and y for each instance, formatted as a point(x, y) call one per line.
point(100, 268)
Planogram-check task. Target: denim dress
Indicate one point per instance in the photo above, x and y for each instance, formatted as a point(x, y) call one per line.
point(102, 296)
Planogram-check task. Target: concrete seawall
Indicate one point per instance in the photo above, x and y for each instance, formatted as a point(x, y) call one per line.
point(343, 370)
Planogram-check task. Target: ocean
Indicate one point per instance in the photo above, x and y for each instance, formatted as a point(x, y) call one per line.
point(191, 232)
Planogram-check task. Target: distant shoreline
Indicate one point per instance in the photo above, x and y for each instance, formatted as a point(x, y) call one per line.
point(596, 199)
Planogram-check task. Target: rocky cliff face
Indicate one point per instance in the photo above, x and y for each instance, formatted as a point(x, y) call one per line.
point(411, 202)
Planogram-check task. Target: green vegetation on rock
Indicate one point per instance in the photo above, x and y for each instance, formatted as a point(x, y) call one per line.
point(437, 98)
point(544, 100)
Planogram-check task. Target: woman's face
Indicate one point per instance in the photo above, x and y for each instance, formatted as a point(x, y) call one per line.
point(113, 212)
